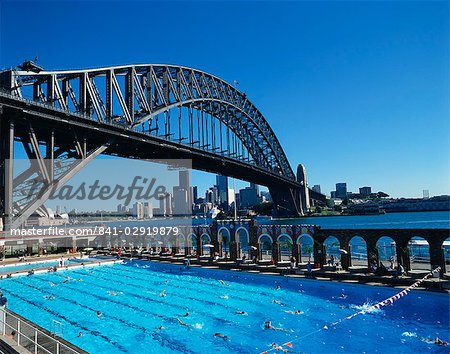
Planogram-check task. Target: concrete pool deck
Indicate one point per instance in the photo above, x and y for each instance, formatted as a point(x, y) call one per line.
point(89, 262)
point(354, 276)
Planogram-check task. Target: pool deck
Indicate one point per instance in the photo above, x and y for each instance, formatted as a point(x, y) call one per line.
point(38, 268)
point(356, 275)
point(47, 339)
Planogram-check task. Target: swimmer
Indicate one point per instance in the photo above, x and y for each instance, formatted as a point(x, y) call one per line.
point(224, 297)
point(186, 314)
point(220, 335)
point(440, 342)
point(183, 323)
point(278, 302)
point(278, 347)
point(241, 313)
point(278, 287)
point(162, 293)
point(268, 325)
point(49, 297)
point(343, 296)
point(113, 293)
point(51, 283)
point(223, 283)
point(160, 328)
point(296, 312)
point(80, 334)
point(99, 314)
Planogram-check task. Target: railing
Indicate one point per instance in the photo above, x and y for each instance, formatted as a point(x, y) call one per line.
point(31, 337)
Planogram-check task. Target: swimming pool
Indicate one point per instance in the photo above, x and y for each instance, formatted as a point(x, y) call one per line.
point(37, 264)
point(128, 295)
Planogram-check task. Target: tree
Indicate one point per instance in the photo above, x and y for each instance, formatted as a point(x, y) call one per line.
point(309, 250)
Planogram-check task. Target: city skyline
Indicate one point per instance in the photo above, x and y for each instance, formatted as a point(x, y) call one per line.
point(401, 104)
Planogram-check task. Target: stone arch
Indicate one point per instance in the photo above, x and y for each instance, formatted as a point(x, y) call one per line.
point(265, 246)
point(387, 252)
point(242, 236)
point(192, 242)
point(358, 251)
point(305, 248)
point(419, 253)
point(224, 238)
point(332, 248)
point(205, 239)
point(285, 245)
point(180, 242)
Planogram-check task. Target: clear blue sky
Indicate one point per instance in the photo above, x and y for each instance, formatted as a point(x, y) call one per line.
point(356, 91)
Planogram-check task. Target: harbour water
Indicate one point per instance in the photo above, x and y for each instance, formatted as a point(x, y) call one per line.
point(418, 220)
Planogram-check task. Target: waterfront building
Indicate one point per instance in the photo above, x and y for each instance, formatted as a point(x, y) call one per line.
point(365, 191)
point(249, 196)
point(138, 210)
point(148, 210)
point(316, 188)
point(165, 204)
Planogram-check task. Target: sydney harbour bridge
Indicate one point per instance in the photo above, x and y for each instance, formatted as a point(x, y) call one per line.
point(64, 119)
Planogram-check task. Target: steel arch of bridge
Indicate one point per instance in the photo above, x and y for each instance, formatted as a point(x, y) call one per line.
point(139, 97)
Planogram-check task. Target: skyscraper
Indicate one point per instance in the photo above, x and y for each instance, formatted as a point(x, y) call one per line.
point(222, 191)
point(341, 190)
point(249, 196)
point(184, 179)
point(195, 194)
point(181, 205)
point(316, 188)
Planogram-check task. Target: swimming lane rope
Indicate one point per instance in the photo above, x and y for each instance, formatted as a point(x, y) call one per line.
point(386, 302)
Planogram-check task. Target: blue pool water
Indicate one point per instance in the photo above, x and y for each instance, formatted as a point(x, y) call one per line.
point(133, 314)
point(30, 265)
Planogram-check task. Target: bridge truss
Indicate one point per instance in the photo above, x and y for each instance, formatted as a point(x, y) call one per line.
point(174, 105)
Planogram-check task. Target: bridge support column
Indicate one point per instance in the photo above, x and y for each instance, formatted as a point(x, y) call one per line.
point(6, 169)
